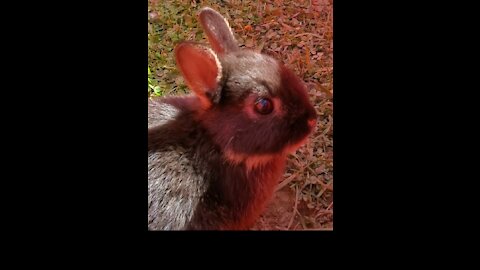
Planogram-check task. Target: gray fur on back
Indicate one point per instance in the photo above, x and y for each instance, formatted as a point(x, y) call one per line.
point(175, 183)
point(160, 113)
point(174, 188)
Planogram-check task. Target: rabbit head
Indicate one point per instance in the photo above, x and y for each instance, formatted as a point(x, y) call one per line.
point(253, 106)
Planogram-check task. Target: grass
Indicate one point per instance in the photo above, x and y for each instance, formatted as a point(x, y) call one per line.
point(299, 33)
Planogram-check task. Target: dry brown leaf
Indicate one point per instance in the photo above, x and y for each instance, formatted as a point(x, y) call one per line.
point(271, 33)
point(276, 12)
point(307, 58)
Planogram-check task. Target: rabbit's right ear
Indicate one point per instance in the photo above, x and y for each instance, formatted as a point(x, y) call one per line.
point(201, 70)
point(218, 31)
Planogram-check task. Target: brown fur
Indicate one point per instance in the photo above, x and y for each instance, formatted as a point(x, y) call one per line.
point(214, 161)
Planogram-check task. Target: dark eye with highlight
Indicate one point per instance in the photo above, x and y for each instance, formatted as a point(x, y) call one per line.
point(263, 106)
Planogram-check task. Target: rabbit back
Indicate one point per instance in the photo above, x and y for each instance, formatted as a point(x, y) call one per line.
point(175, 188)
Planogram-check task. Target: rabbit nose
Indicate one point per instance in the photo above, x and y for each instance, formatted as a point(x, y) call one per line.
point(312, 122)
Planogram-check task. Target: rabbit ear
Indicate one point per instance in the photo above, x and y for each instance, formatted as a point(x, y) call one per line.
point(218, 31)
point(201, 70)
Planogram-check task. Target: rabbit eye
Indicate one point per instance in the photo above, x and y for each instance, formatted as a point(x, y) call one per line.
point(263, 106)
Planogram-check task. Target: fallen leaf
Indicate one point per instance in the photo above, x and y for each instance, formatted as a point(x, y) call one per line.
point(295, 21)
point(270, 34)
point(277, 12)
point(307, 57)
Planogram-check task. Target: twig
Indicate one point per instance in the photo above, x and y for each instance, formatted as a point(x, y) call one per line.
point(167, 67)
point(330, 206)
point(287, 26)
point(327, 186)
point(311, 170)
point(302, 221)
point(324, 212)
point(294, 208)
point(309, 34)
point(285, 182)
point(295, 15)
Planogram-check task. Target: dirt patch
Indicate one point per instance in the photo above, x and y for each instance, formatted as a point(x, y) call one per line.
point(284, 214)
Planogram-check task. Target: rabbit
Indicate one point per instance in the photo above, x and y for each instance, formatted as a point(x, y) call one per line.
point(216, 156)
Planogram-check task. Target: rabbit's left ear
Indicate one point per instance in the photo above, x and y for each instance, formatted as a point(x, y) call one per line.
point(219, 33)
point(201, 70)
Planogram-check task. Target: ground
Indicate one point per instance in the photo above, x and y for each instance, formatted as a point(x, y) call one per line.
point(299, 33)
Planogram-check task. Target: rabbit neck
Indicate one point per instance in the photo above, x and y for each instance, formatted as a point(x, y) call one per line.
point(237, 194)
point(252, 191)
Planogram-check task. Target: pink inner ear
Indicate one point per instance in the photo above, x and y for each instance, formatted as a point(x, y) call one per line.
point(199, 68)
